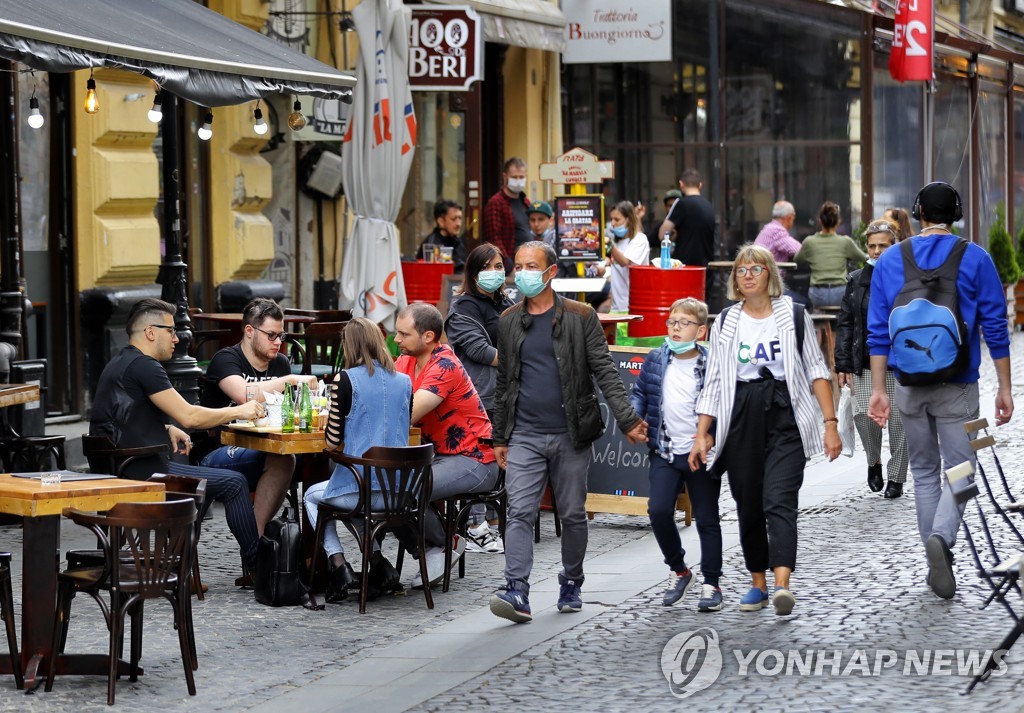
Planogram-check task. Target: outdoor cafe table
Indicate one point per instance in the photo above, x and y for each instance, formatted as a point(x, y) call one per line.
point(15, 394)
point(610, 322)
point(41, 507)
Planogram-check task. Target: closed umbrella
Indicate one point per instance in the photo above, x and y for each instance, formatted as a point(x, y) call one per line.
point(376, 159)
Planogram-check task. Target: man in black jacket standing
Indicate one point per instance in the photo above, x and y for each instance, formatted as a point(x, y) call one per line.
point(550, 352)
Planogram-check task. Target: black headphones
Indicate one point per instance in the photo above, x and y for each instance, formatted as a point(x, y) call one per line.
point(958, 212)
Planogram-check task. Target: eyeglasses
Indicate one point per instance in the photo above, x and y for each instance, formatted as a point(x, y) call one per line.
point(163, 326)
point(272, 336)
point(754, 270)
point(682, 323)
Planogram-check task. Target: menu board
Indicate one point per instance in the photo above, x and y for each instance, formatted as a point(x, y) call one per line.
point(579, 223)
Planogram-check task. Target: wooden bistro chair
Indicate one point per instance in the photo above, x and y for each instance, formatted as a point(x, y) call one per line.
point(7, 611)
point(404, 478)
point(320, 355)
point(105, 457)
point(159, 541)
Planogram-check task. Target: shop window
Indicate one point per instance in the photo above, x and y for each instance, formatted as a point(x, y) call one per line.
point(1018, 159)
point(898, 140)
point(992, 155)
point(952, 140)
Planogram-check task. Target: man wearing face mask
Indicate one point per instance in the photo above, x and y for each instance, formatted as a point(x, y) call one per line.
point(550, 352)
point(506, 222)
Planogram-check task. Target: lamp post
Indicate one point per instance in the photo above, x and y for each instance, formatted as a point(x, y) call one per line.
point(11, 301)
point(182, 369)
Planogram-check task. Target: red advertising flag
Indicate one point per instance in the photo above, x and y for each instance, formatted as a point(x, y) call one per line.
point(911, 57)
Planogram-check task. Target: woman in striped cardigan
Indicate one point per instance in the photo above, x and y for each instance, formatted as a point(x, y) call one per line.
point(762, 389)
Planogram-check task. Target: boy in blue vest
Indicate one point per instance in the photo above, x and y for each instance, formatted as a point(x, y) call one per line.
point(934, 410)
point(665, 395)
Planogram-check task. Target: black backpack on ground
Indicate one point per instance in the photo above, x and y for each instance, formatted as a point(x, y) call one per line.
point(277, 580)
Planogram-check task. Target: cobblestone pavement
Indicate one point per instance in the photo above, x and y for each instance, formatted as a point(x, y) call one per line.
point(859, 585)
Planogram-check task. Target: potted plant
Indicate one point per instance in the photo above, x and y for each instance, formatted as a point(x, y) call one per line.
point(1000, 247)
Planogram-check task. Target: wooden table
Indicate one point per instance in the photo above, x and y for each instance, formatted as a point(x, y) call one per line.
point(41, 507)
point(14, 394)
point(610, 323)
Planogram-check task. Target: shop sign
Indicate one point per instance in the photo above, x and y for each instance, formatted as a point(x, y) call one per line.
point(445, 48)
point(617, 30)
point(911, 58)
point(578, 222)
point(577, 166)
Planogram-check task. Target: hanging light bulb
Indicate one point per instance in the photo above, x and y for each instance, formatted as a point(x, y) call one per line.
point(35, 118)
point(260, 126)
point(157, 113)
point(296, 120)
point(92, 104)
point(206, 130)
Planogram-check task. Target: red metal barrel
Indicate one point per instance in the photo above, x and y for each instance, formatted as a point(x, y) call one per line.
point(423, 280)
point(652, 292)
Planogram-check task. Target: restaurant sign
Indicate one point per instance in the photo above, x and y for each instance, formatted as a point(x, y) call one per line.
point(617, 30)
point(912, 42)
point(445, 48)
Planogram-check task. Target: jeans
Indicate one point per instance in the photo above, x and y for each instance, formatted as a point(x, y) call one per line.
point(248, 462)
point(667, 480)
point(453, 475)
point(332, 543)
point(533, 460)
point(826, 296)
point(933, 422)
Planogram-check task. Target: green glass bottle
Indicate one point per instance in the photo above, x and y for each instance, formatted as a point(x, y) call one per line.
point(287, 412)
point(305, 410)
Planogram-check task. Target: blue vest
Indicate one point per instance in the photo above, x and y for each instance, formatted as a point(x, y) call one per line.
point(379, 417)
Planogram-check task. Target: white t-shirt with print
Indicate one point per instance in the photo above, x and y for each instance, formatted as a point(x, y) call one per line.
point(679, 403)
point(759, 346)
point(638, 251)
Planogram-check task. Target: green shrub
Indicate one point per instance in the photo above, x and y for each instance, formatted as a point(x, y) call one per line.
point(1000, 247)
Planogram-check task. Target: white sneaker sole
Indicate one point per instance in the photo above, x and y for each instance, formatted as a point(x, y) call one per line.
point(504, 610)
point(783, 601)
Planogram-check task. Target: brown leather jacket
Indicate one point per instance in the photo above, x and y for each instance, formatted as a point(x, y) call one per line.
point(583, 358)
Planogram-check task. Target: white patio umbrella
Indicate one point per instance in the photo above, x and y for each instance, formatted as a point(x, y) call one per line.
point(376, 160)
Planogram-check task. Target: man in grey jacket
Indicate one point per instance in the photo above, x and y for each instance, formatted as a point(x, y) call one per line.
point(550, 352)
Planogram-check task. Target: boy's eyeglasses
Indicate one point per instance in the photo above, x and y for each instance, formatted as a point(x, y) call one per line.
point(681, 323)
point(754, 270)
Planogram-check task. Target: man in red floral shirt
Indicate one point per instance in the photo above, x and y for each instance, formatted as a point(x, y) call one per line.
point(450, 415)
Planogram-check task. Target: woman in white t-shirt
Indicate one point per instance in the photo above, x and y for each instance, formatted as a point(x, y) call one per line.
point(766, 383)
point(629, 247)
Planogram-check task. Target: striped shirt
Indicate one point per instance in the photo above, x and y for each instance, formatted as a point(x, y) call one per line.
point(719, 392)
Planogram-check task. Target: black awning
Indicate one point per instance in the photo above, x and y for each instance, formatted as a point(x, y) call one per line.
point(189, 50)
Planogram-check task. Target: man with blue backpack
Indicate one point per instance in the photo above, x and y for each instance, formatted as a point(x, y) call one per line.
point(930, 300)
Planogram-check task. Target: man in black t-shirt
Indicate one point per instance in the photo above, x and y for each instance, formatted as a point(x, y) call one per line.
point(254, 360)
point(134, 405)
point(691, 223)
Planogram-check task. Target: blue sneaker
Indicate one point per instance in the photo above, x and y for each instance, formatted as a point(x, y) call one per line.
point(678, 588)
point(569, 598)
point(512, 604)
point(754, 600)
point(710, 599)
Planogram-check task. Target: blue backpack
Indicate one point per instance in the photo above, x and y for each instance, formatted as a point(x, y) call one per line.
point(928, 334)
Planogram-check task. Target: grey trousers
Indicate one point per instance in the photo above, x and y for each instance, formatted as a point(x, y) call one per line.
point(871, 432)
point(933, 422)
point(533, 460)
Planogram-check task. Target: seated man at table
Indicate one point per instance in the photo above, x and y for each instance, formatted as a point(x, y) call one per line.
point(446, 407)
point(135, 403)
point(447, 233)
point(254, 360)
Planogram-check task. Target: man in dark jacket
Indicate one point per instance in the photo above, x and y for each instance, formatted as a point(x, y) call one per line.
point(854, 368)
point(447, 233)
point(550, 352)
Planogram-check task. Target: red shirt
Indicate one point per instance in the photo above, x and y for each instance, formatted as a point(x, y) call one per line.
point(459, 421)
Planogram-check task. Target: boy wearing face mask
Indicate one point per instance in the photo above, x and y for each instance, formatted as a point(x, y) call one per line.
point(506, 223)
point(665, 395)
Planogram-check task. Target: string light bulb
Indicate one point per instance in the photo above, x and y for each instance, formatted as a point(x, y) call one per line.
point(296, 120)
point(35, 118)
point(92, 103)
point(206, 130)
point(157, 112)
point(260, 126)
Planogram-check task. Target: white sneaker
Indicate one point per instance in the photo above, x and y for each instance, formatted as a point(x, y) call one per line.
point(435, 562)
point(483, 539)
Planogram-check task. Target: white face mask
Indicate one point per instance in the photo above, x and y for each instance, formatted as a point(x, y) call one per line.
point(516, 185)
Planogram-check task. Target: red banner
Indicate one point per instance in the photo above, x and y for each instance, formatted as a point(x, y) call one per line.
point(911, 58)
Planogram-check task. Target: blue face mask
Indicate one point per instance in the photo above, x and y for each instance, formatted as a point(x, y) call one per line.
point(490, 280)
point(530, 282)
point(680, 347)
point(619, 231)
point(872, 260)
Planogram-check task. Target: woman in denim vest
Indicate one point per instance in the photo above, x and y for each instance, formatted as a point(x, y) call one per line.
point(370, 407)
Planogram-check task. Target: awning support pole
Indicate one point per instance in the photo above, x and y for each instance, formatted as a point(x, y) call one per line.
point(11, 300)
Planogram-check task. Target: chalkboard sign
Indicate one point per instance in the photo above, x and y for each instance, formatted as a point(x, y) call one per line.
point(618, 481)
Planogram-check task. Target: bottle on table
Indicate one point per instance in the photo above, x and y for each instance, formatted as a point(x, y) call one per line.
point(305, 411)
point(287, 411)
point(666, 251)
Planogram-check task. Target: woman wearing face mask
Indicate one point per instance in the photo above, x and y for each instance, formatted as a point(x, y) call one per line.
point(629, 247)
point(472, 331)
point(854, 368)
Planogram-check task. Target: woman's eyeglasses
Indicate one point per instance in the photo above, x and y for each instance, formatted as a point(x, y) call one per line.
point(754, 270)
